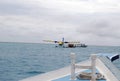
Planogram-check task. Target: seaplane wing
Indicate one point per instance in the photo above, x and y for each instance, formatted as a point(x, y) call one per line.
point(48, 40)
point(52, 41)
point(74, 42)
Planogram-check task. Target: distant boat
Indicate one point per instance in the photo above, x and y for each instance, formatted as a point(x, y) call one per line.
point(67, 44)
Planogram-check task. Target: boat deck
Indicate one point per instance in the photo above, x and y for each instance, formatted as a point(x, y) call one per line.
point(54, 75)
point(67, 78)
point(111, 67)
point(103, 65)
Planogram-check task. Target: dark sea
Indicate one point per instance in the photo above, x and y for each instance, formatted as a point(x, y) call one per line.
point(22, 60)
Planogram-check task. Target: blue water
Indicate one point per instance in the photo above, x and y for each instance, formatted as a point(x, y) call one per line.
point(22, 60)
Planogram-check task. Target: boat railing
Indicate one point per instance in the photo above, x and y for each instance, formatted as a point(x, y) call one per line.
point(92, 67)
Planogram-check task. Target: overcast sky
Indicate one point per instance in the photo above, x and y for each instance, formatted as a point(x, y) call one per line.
point(94, 22)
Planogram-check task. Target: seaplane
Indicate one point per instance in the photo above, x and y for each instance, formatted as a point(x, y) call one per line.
point(66, 44)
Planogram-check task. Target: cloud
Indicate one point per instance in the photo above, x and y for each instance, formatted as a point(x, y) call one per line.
point(52, 7)
point(90, 21)
point(26, 28)
point(101, 28)
point(89, 6)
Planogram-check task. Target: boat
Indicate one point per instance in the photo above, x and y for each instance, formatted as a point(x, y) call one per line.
point(97, 68)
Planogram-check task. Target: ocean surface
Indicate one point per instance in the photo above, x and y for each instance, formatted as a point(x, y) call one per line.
point(22, 60)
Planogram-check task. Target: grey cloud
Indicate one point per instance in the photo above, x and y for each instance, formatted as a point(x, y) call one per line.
point(16, 8)
point(33, 23)
point(101, 28)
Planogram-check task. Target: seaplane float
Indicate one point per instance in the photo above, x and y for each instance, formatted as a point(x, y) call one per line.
point(67, 44)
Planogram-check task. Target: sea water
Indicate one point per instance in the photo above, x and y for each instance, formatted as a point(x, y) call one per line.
point(22, 60)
